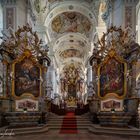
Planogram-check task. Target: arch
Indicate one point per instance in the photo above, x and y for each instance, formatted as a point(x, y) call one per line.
point(71, 36)
point(68, 7)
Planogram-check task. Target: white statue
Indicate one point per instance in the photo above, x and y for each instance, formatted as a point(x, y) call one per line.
point(65, 94)
point(91, 90)
point(57, 101)
point(78, 94)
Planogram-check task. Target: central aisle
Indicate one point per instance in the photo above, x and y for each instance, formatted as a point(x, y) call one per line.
point(69, 124)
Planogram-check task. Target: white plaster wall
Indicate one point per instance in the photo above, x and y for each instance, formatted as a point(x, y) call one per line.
point(118, 7)
point(21, 12)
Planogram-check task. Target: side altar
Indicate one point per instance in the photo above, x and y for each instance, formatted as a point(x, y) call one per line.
point(114, 101)
point(26, 68)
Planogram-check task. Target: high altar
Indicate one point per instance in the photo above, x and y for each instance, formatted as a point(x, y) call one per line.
point(114, 101)
point(72, 86)
point(25, 60)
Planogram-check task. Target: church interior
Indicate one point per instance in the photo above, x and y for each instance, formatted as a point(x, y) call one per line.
point(70, 69)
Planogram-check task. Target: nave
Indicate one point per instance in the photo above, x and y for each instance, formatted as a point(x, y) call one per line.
point(69, 69)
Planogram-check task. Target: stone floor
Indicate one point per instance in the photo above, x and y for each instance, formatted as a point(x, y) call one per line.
point(54, 135)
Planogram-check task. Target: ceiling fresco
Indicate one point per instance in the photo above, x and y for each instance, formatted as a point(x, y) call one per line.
point(71, 53)
point(71, 22)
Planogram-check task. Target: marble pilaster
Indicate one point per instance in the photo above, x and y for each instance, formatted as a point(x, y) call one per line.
point(138, 32)
point(89, 79)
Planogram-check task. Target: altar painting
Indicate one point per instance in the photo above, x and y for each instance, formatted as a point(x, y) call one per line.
point(71, 101)
point(27, 78)
point(112, 78)
point(109, 104)
point(28, 104)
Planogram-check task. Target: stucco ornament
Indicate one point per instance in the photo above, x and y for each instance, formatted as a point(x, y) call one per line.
point(105, 9)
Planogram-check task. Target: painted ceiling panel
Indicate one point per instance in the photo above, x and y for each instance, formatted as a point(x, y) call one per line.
point(71, 53)
point(71, 22)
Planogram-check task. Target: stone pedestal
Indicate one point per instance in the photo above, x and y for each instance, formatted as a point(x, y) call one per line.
point(21, 119)
point(94, 106)
point(116, 119)
point(132, 105)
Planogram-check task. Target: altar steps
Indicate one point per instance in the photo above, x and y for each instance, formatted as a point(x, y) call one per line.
point(24, 131)
point(55, 122)
point(85, 125)
point(130, 131)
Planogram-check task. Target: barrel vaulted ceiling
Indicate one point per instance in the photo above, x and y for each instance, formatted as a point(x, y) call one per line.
point(70, 25)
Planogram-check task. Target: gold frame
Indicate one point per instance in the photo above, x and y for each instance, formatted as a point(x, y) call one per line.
point(112, 54)
point(26, 54)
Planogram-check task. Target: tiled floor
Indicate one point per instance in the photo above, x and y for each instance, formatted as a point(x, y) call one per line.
point(54, 135)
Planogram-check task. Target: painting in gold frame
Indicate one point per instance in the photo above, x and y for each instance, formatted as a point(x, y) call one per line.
point(112, 76)
point(26, 76)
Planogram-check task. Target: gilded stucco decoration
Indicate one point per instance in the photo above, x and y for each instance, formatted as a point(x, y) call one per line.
point(24, 38)
point(72, 73)
point(113, 56)
point(122, 42)
point(25, 64)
